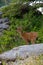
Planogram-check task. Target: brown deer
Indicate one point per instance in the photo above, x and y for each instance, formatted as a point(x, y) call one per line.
point(28, 36)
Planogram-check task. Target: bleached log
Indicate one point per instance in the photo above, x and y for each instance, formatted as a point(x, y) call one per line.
point(22, 52)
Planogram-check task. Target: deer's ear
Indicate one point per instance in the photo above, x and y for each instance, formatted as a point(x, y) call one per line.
point(18, 27)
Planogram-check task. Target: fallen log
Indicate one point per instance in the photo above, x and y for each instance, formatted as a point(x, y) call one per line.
point(22, 52)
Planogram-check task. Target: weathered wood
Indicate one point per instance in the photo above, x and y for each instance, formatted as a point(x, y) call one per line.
point(22, 52)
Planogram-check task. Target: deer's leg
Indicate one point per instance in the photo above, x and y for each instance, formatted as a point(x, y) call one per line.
point(27, 42)
point(32, 41)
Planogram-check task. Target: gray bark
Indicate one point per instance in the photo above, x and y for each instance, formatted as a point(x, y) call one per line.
point(22, 52)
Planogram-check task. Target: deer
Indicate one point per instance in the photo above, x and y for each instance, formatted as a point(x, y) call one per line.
point(28, 36)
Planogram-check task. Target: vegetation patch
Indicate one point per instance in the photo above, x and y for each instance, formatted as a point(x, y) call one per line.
point(20, 16)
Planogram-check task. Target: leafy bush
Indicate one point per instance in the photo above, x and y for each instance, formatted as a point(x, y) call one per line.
point(20, 15)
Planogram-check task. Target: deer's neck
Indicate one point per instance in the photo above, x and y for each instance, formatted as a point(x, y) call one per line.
point(20, 32)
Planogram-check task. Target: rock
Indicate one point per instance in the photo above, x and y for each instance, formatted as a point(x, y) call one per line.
point(40, 9)
point(1, 14)
point(22, 52)
point(3, 26)
point(4, 20)
point(33, 60)
point(1, 63)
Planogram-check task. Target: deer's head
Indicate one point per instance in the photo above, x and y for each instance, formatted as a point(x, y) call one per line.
point(19, 29)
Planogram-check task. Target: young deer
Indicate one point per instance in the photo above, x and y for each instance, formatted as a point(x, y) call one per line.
point(28, 36)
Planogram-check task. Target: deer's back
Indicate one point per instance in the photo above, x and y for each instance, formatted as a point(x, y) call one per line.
point(30, 35)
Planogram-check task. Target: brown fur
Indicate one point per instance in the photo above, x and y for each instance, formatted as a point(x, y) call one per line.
point(28, 36)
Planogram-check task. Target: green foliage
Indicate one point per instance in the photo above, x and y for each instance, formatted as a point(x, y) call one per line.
point(29, 21)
